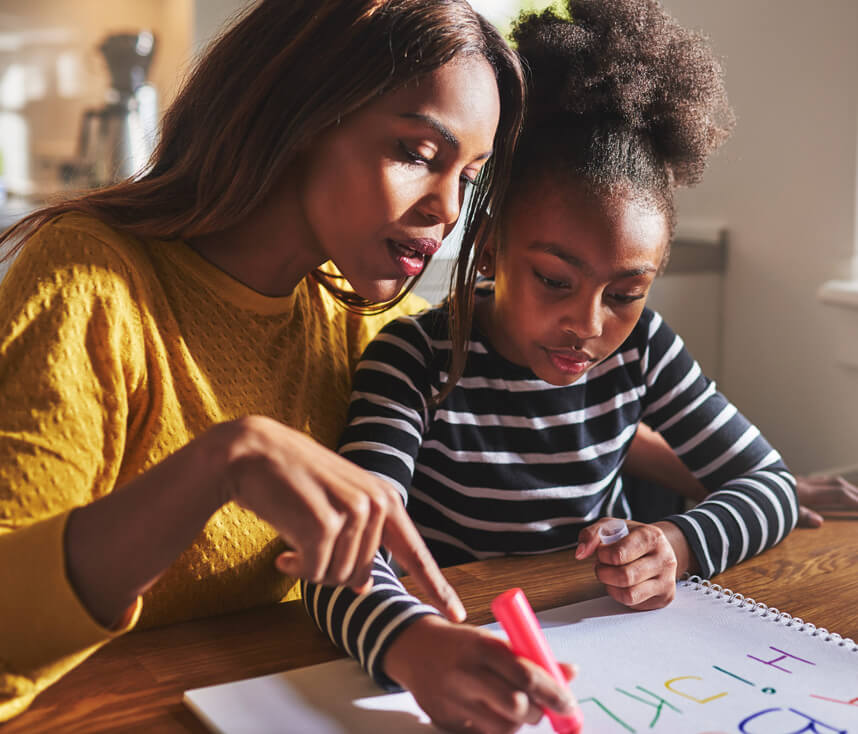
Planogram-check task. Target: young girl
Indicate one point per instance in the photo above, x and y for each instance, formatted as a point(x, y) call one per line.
point(172, 343)
point(523, 454)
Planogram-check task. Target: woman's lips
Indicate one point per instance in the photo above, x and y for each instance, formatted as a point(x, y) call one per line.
point(424, 245)
point(411, 255)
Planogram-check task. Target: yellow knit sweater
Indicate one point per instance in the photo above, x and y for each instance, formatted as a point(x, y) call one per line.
point(114, 353)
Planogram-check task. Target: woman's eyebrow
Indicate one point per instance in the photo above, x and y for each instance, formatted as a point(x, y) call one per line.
point(441, 129)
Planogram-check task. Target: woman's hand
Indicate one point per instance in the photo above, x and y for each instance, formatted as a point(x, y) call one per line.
point(823, 493)
point(640, 570)
point(333, 514)
point(468, 680)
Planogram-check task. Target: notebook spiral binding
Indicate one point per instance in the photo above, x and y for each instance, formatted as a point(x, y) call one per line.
point(765, 611)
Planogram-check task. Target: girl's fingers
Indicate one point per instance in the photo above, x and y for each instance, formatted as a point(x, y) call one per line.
point(826, 492)
point(483, 718)
point(588, 541)
point(495, 693)
point(569, 670)
point(808, 518)
point(651, 594)
point(475, 699)
point(521, 674)
point(838, 495)
point(469, 717)
point(641, 541)
point(639, 571)
point(636, 572)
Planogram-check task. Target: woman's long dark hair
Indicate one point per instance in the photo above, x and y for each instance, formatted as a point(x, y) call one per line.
point(284, 72)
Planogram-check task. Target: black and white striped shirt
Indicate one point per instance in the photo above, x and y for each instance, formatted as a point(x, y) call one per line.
point(509, 464)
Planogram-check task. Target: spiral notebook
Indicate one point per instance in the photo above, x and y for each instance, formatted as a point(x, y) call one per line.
point(711, 662)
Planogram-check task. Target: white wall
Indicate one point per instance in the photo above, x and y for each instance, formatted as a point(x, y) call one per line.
point(785, 185)
point(210, 16)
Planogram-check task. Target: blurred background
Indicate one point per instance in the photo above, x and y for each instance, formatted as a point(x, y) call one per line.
point(763, 283)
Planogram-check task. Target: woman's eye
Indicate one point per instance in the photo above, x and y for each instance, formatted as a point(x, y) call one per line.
point(414, 155)
point(470, 176)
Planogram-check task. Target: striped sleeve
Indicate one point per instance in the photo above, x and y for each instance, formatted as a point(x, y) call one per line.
point(387, 417)
point(389, 409)
point(364, 625)
point(752, 502)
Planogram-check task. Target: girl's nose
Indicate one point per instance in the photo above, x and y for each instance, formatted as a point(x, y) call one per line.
point(583, 317)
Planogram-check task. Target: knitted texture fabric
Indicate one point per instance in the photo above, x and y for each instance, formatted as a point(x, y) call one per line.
point(114, 353)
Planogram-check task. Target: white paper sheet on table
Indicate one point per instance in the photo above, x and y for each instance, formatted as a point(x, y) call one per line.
point(707, 663)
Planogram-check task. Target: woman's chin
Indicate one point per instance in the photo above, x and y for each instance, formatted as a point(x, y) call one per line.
point(380, 291)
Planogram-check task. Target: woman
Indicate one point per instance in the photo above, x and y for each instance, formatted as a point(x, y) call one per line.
point(174, 357)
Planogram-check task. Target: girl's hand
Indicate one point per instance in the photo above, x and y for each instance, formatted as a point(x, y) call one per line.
point(640, 570)
point(823, 493)
point(467, 680)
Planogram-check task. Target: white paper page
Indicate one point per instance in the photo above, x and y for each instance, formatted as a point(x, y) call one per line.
point(700, 665)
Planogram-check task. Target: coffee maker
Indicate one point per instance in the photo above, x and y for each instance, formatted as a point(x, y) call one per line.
point(117, 139)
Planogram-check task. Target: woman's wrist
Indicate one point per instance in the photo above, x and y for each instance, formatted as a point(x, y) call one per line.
point(119, 545)
point(241, 442)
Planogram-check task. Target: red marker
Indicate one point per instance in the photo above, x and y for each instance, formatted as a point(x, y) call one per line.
point(516, 616)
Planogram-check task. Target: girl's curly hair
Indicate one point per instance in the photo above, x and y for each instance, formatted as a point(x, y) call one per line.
point(620, 95)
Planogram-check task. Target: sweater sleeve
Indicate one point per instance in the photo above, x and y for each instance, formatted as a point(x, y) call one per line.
point(387, 417)
point(63, 411)
point(53, 632)
point(752, 502)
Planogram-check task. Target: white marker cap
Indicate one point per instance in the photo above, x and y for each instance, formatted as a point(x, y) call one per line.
point(613, 530)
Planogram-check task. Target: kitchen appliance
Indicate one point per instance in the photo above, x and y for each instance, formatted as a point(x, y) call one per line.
point(116, 140)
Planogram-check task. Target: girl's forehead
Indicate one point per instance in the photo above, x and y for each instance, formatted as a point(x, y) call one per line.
point(568, 216)
point(561, 203)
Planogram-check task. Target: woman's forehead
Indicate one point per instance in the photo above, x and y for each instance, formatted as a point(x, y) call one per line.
point(461, 95)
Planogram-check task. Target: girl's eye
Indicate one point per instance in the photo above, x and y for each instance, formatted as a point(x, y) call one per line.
point(625, 299)
point(550, 282)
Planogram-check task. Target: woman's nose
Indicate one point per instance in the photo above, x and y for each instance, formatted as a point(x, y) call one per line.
point(444, 202)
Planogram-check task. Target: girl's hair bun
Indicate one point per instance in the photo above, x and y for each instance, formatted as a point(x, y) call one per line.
point(623, 70)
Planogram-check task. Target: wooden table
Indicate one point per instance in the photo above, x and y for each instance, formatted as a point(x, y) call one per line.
point(135, 684)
